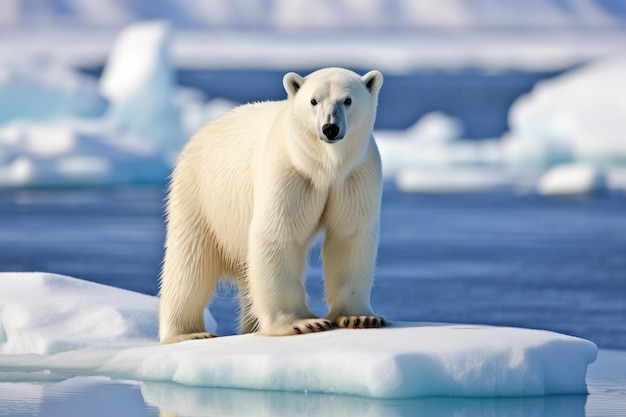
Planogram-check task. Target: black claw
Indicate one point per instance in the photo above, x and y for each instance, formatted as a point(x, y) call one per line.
point(356, 322)
point(329, 325)
point(383, 322)
point(320, 326)
point(366, 322)
point(346, 322)
point(297, 330)
point(310, 327)
point(374, 322)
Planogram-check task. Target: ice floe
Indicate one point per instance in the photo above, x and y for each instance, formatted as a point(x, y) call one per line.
point(62, 326)
point(573, 179)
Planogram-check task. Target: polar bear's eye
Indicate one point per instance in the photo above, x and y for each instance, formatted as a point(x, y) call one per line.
point(347, 101)
point(313, 102)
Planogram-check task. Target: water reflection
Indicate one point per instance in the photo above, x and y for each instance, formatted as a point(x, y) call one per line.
point(180, 401)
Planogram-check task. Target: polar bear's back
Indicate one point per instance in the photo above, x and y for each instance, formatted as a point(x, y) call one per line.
point(214, 176)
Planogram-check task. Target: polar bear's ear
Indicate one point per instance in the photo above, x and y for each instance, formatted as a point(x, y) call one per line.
point(373, 80)
point(292, 83)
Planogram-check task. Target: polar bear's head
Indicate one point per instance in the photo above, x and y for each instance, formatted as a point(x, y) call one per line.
point(333, 103)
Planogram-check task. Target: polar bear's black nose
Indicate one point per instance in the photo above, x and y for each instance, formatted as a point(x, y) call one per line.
point(330, 130)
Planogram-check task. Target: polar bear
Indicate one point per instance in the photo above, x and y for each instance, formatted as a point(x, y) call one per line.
point(252, 189)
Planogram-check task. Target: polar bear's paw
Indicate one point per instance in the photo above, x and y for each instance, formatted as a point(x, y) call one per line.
point(189, 336)
point(310, 326)
point(360, 322)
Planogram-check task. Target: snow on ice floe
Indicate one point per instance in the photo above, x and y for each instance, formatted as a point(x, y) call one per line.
point(55, 325)
point(46, 313)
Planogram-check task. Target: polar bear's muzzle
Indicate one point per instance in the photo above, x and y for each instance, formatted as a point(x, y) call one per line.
point(331, 133)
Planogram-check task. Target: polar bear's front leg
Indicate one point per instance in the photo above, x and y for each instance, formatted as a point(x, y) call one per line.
point(276, 286)
point(348, 271)
point(351, 220)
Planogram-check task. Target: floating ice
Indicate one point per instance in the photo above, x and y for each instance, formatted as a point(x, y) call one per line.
point(452, 180)
point(573, 179)
point(578, 116)
point(81, 328)
point(76, 152)
point(433, 141)
point(42, 91)
point(138, 80)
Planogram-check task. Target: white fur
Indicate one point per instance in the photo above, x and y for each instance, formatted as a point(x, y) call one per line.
point(252, 189)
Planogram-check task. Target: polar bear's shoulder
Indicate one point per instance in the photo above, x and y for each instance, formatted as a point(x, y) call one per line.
point(243, 122)
point(266, 108)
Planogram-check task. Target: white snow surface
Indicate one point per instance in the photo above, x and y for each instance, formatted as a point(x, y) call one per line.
point(56, 327)
point(42, 313)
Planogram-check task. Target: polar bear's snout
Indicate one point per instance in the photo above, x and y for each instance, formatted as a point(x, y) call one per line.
point(332, 132)
point(334, 128)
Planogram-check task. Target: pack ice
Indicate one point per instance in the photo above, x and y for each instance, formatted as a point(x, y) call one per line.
point(57, 327)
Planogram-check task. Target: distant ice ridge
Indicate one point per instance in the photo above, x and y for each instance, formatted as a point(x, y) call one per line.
point(58, 128)
point(57, 327)
point(577, 118)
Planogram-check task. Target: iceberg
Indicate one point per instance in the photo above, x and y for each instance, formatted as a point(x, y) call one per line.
point(61, 327)
point(139, 82)
point(572, 179)
point(577, 117)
